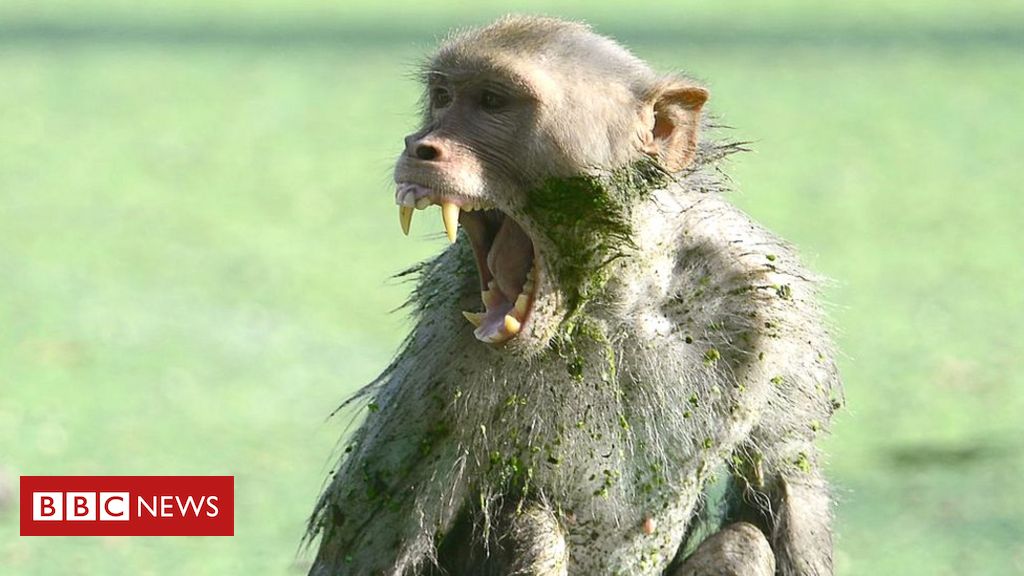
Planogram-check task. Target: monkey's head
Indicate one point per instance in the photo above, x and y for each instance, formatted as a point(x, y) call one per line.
point(539, 137)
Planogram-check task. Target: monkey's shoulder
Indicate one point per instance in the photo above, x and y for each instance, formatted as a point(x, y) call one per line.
point(741, 295)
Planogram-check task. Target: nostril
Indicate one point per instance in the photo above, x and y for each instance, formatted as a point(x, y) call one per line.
point(427, 152)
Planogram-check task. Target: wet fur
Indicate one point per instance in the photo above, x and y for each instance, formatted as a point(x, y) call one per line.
point(706, 354)
point(703, 353)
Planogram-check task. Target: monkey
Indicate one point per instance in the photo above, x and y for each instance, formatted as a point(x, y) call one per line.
point(604, 340)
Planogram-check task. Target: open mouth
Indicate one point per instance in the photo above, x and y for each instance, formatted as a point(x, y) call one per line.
point(505, 257)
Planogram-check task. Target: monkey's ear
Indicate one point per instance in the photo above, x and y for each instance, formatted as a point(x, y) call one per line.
point(672, 118)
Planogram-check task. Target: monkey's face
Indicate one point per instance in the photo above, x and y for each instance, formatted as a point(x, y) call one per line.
point(499, 126)
point(479, 150)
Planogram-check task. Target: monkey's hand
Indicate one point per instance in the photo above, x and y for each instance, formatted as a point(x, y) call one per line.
point(738, 549)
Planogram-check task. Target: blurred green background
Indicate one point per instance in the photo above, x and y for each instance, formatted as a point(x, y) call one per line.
point(197, 230)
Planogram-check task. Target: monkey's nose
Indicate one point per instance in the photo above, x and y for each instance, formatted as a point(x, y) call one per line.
point(422, 148)
point(427, 152)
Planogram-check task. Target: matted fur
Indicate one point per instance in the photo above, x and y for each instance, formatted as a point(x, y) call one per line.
point(704, 352)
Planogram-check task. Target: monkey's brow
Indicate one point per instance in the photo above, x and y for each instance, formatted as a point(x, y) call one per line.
point(469, 75)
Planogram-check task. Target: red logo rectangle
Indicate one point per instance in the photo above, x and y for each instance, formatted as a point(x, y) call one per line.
point(127, 505)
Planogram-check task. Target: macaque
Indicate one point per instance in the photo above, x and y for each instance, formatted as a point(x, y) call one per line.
point(604, 340)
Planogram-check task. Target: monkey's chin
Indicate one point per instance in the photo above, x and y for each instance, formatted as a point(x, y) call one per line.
point(506, 259)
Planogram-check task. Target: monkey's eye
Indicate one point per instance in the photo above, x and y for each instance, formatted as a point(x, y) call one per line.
point(440, 97)
point(492, 101)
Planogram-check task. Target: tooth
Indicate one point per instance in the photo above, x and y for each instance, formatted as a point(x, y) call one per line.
point(511, 325)
point(475, 318)
point(522, 303)
point(450, 215)
point(405, 218)
point(404, 196)
point(422, 203)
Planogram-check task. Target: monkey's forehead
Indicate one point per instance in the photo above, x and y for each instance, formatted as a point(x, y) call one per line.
point(532, 57)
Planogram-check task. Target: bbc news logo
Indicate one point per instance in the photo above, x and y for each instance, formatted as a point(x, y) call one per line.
point(127, 505)
point(115, 506)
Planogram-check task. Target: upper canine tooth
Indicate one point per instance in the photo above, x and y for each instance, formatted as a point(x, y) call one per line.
point(450, 216)
point(405, 218)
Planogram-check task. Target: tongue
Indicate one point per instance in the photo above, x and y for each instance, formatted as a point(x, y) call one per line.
point(510, 258)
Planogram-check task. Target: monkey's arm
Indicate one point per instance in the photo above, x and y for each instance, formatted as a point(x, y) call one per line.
point(777, 471)
point(778, 483)
point(772, 336)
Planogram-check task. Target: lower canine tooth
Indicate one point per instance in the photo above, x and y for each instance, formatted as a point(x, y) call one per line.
point(475, 318)
point(511, 324)
point(423, 202)
point(405, 218)
point(450, 216)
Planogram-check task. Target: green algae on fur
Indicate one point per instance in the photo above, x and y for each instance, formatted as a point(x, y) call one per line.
point(587, 219)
